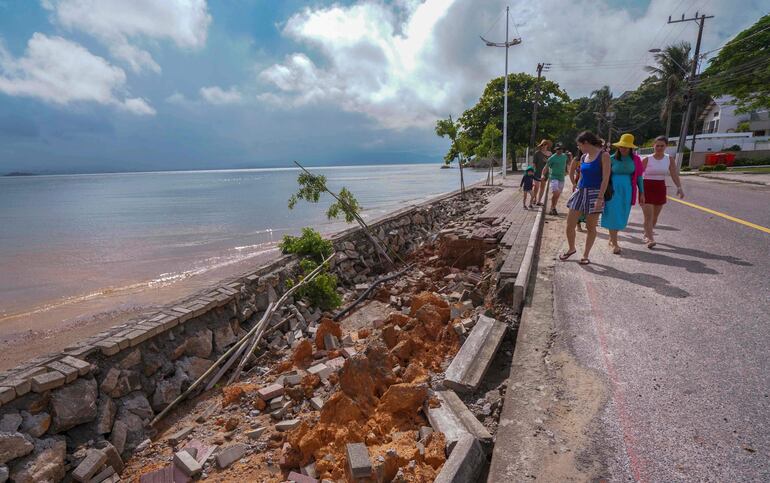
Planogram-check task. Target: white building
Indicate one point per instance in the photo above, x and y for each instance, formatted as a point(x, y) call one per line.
point(720, 117)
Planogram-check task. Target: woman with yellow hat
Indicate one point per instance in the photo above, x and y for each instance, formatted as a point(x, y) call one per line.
point(626, 168)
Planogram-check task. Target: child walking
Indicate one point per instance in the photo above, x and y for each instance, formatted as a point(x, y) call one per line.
point(527, 181)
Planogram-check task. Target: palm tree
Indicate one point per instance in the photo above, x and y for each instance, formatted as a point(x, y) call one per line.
point(602, 101)
point(673, 63)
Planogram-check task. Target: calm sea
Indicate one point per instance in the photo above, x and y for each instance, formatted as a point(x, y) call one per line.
point(77, 236)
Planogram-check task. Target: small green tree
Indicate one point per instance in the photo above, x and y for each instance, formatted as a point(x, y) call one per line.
point(448, 128)
point(310, 188)
point(490, 147)
point(312, 249)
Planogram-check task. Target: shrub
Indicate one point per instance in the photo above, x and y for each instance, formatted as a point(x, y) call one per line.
point(752, 162)
point(310, 244)
point(720, 167)
point(734, 147)
point(686, 168)
point(321, 292)
point(706, 168)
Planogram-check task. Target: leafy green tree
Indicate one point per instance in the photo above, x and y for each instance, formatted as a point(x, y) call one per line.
point(673, 64)
point(449, 128)
point(490, 142)
point(553, 115)
point(310, 188)
point(742, 68)
point(601, 102)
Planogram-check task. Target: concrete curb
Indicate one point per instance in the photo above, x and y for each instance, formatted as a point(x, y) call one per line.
point(721, 178)
point(522, 278)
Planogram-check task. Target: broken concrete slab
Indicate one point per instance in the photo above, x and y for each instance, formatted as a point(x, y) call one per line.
point(321, 370)
point(269, 392)
point(179, 436)
point(103, 475)
point(454, 419)
point(231, 454)
point(300, 478)
point(202, 451)
point(475, 356)
point(359, 463)
point(465, 463)
point(317, 403)
point(255, 433)
point(185, 462)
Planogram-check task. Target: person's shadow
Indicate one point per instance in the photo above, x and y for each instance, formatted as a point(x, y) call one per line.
point(694, 252)
point(650, 256)
point(659, 284)
point(659, 227)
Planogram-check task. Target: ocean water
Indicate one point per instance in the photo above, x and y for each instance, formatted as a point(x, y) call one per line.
point(68, 237)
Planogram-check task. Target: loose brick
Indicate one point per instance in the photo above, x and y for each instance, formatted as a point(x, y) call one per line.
point(185, 462)
point(299, 478)
point(317, 403)
point(321, 370)
point(269, 392)
point(359, 464)
point(287, 425)
point(7, 394)
point(255, 433)
point(109, 347)
point(180, 435)
point(87, 468)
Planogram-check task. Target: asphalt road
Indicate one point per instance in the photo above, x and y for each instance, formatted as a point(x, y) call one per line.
point(680, 336)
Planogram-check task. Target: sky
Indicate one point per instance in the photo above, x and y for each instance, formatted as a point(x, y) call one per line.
point(111, 85)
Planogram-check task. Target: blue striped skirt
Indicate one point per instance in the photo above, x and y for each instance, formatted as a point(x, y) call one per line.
point(584, 200)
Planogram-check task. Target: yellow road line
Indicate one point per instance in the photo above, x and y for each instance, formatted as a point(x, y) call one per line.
point(727, 217)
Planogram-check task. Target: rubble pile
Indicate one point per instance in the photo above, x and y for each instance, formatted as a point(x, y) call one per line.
point(329, 402)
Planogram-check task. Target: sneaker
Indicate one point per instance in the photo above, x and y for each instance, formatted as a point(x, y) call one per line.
point(539, 204)
point(553, 212)
point(525, 207)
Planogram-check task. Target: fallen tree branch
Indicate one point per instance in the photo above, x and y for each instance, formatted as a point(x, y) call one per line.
point(238, 346)
point(364, 295)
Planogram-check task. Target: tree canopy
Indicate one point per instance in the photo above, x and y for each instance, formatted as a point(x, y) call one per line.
point(742, 68)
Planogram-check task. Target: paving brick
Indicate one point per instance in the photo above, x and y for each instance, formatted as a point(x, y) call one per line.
point(230, 455)
point(47, 381)
point(348, 352)
point(21, 386)
point(136, 337)
point(321, 370)
point(255, 433)
point(185, 462)
point(287, 425)
point(359, 464)
point(92, 463)
point(109, 346)
point(82, 351)
point(202, 451)
point(269, 392)
point(82, 366)
point(70, 373)
point(7, 394)
point(336, 363)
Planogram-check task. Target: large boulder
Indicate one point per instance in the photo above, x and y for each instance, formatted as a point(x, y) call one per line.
point(117, 383)
point(35, 424)
point(13, 445)
point(105, 414)
point(223, 337)
point(46, 463)
point(10, 422)
point(132, 432)
point(73, 404)
point(193, 367)
point(166, 390)
point(137, 403)
point(200, 344)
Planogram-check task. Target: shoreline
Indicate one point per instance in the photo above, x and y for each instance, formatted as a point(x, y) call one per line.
point(28, 334)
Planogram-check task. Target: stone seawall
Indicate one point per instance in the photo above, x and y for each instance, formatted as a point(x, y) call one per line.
point(90, 405)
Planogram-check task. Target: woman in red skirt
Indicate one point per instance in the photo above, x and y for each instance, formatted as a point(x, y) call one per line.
point(656, 168)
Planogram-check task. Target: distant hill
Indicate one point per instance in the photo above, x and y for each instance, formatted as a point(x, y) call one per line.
point(19, 173)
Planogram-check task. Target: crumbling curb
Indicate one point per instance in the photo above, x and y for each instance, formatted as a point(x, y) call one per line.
point(522, 279)
point(465, 464)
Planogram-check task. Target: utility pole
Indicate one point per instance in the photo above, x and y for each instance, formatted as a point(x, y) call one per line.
point(701, 21)
point(540, 67)
point(611, 117)
point(505, 44)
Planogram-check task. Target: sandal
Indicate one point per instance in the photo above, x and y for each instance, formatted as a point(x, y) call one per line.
point(584, 261)
point(651, 243)
point(564, 256)
point(616, 250)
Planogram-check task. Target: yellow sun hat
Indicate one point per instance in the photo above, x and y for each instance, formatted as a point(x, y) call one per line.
point(626, 141)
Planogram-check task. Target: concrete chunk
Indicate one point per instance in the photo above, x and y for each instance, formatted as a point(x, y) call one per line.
point(475, 356)
point(70, 373)
point(466, 462)
point(321, 370)
point(48, 380)
point(230, 455)
point(300, 478)
point(454, 419)
point(255, 433)
point(87, 468)
point(317, 403)
point(359, 464)
point(185, 462)
point(7, 394)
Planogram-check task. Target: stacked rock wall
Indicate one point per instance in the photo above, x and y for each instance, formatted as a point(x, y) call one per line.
point(93, 401)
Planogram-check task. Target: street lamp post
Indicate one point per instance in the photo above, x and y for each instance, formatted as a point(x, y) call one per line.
point(505, 44)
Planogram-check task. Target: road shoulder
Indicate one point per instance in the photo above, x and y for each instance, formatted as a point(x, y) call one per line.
point(551, 401)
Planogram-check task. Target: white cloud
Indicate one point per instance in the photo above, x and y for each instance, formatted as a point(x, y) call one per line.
point(410, 62)
point(217, 95)
point(62, 72)
point(120, 24)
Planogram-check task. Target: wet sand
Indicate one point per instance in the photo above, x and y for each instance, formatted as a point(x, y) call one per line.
point(53, 326)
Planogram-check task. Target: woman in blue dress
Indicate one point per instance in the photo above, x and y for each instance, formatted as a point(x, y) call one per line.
point(626, 179)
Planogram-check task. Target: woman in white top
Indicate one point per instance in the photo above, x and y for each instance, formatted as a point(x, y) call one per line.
point(656, 168)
